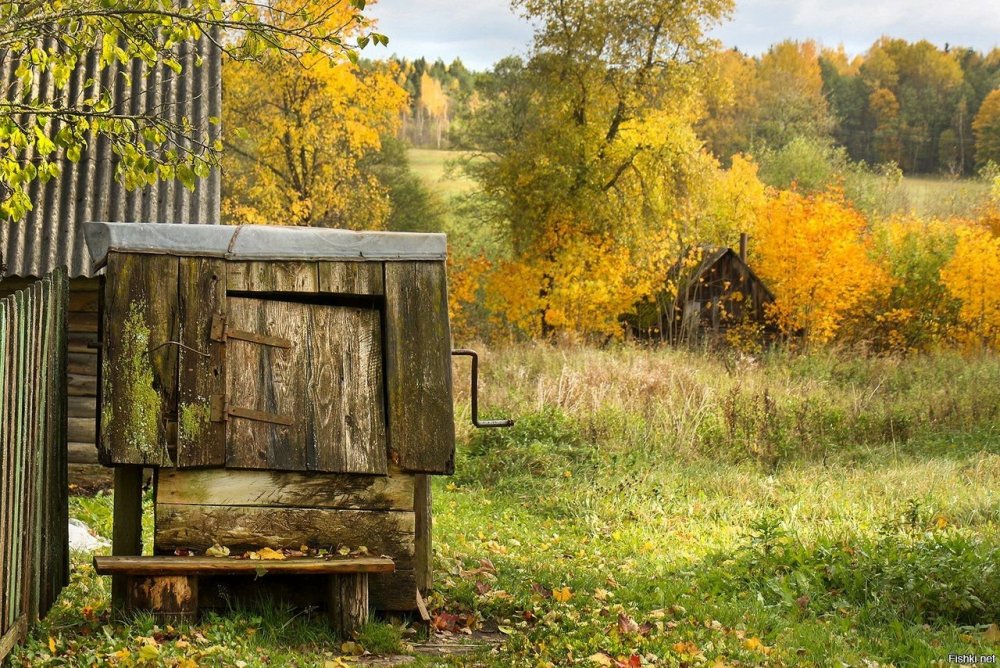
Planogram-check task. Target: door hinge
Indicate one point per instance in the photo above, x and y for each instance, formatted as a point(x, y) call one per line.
point(222, 411)
point(221, 332)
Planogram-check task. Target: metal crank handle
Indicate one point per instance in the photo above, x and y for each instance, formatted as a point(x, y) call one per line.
point(481, 424)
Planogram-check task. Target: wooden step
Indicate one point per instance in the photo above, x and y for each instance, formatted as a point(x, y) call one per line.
point(167, 565)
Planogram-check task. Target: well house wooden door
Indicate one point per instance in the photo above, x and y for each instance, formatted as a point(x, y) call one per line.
point(304, 387)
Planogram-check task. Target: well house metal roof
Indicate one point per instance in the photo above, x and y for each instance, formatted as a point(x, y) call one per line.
point(261, 242)
point(51, 234)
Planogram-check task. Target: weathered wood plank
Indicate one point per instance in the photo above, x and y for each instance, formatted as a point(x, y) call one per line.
point(272, 276)
point(126, 536)
point(83, 301)
point(351, 278)
point(200, 440)
point(418, 367)
point(273, 488)
point(423, 561)
point(83, 363)
point(171, 565)
point(348, 604)
point(140, 380)
point(329, 383)
point(244, 528)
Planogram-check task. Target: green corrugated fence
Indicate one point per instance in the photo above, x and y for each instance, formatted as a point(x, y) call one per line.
point(34, 552)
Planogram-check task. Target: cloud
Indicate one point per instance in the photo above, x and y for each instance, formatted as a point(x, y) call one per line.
point(858, 23)
point(481, 32)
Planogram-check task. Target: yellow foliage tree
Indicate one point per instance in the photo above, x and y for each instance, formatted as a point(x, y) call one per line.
point(972, 276)
point(813, 253)
point(298, 136)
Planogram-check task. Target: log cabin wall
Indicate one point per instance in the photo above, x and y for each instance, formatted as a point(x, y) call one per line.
point(84, 298)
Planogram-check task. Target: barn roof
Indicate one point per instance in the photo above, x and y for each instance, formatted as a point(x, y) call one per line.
point(712, 255)
point(261, 242)
point(51, 235)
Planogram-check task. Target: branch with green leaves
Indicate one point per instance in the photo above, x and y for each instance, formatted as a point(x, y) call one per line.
point(48, 116)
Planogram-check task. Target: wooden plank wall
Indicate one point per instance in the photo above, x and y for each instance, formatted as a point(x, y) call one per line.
point(81, 379)
point(34, 552)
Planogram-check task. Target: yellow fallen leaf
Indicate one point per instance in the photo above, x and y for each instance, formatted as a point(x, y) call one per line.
point(601, 594)
point(52, 645)
point(352, 648)
point(754, 644)
point(941, 522)
point(268, 554)
point(567, 474)
point(562, 595)
point(601, 659)
point(217, 551)
point(149, 652)
point(344, 551)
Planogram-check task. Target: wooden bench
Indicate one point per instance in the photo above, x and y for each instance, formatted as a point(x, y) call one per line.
point(168, 586)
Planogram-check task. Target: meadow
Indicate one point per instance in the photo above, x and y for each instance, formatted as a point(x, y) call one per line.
point(665, 507)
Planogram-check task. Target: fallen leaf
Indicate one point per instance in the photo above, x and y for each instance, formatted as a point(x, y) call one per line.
point(562, 595)
point(352, 648)
point(267, 554)
point(541, 590)
point(686, 647)
point(217, 551)
point(601, 659)
point(52, 645)
point(148, 652)
point(506, 630)
point(626, 625)
point(483, 587)
point(601, 594)
point(754, 644)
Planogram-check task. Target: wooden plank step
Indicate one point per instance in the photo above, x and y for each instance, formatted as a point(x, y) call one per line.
point(165, 566)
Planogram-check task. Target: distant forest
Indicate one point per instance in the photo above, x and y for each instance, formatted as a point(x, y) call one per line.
point(926, 109)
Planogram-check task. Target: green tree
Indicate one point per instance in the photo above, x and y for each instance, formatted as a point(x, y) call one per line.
point(44, 41)
point(790, 99)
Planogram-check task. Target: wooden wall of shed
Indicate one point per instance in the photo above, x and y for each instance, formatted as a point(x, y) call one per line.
point(84, 470)
point(715, 295)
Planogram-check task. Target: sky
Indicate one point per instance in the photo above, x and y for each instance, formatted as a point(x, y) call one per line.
point(480, 32)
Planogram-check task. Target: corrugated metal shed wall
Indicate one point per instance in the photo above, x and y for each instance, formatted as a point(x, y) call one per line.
point(51, 235)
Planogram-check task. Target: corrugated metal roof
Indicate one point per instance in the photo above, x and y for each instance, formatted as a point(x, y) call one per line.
point(262, 242)
point(51, 235)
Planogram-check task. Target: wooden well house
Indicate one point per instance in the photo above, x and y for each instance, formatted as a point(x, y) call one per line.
point(289, 386)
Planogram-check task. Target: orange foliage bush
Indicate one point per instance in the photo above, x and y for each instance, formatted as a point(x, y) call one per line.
point(813, 252)
point(972, 276)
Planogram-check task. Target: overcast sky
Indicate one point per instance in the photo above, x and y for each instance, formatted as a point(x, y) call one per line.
point(481, 32)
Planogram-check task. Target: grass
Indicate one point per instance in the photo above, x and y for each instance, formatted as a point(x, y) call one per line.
point(432, 168)
point(670, 508)
point(941, 197)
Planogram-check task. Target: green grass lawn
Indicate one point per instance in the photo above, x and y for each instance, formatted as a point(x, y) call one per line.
point(615, 526)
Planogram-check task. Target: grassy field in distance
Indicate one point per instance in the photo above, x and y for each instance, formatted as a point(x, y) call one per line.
point(431, 166)
point(941, 197)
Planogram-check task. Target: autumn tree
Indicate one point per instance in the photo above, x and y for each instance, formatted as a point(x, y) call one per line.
point(42, 42)
point(790, 99)
point(813, 252)
point(987, 129)
point(584, 151)
point(299, 136)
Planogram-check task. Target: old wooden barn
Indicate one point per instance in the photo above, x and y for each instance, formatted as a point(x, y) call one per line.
point(290, 387)
point(716, 290)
